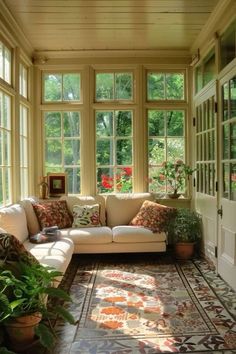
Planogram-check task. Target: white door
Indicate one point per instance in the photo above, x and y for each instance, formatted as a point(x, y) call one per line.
point(227, 200)
point(206, 152)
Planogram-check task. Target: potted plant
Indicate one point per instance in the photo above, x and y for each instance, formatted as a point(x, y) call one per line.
point(185, 231)
point(175, 174)
point(24, 302)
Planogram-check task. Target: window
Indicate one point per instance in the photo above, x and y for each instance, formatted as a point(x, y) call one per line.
point(62, 146)
point(116, 86)
point(5, 148)
point(165, 86)
point(5, 63)
point(24, 168)
point(228, 46)
point(60, 87)
point(23, 81)
point(114, 151)
point(205, 72)
point(166, 142)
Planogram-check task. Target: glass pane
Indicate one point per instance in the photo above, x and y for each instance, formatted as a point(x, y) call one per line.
point(212, 112)
point(123, 86)
point(124, 152)
point(225, 145)
point(212, 145)
point(156, 123)
point(104, 86)
point(52, 87)
point(123, 123)
point(209, 69)
point(206, 178)
point(6, 111)
point(52, 124)
point(157, 182)
point(71, 124)
point(1, 60)
point(123, 180)
point(233, 141)
point(174, 86)
point(175, 123)
point(198, 79)
point(225, 93)
point(155, 86)
point(233, 97)
point(201, 171)
point(156, 148)
point(233, 182)
point(53, 153)
point(72, 152)
point(104, 152)
point(105, 180)
point(1, 147)
point(227, 47)
point(7, 65)
point(1, 187)
point(7, 185)
point(7, 148)
point(212, 179)
point(198, 178)
point(73, 180)
point(225, 180)
point(104, 124)
point(175, 149)
point(71, 87)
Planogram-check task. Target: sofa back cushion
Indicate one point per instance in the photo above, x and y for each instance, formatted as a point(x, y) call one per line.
point(121, 208)
point(13, 220)
point(32, 220)
point(87, 200)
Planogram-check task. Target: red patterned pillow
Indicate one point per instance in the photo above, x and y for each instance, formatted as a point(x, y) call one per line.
point(153, 216)
point(53, 213)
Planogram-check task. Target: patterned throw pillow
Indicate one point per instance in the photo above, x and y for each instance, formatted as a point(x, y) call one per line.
point(153, 216)
point(86, 215)
point(53, 213)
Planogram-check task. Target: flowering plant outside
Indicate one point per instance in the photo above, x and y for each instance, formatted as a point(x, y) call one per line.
point(121, 182)
point(175, 175)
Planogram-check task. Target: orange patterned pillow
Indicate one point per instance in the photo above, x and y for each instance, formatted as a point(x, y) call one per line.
point(153, 216)
point(53, 213)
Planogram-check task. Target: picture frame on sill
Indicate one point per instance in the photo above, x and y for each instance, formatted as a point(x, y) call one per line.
point(57, 184)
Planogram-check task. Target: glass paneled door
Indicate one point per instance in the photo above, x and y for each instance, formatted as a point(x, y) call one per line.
point(227, 219)
point(206, 194)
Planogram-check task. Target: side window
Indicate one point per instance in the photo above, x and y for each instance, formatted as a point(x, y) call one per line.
point(5, 63)
point(23, 80)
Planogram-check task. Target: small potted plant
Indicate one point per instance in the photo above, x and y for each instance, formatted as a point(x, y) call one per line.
point(24, 292)
point(185, 231)
point(175, 174)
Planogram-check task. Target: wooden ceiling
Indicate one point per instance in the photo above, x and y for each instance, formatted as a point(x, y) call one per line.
point(88, 25)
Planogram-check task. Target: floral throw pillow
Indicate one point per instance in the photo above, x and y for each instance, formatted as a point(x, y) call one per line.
point(53, 213)
point(86, 215)
point(153, 216)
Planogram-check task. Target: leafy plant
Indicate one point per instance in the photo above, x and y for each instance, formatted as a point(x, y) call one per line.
point(186, 226)
point(175, 174)
point(24, 290)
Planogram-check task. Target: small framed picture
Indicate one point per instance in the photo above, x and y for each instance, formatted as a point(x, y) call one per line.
point(57, 184)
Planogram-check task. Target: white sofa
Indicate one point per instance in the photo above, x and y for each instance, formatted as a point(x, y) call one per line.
point(113, 236)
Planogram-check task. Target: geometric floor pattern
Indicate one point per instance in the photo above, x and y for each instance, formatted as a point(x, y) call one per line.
point(147, 304)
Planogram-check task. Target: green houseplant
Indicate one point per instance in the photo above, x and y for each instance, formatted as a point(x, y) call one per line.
point(24, 292)
point(175, 174)
point(185, 231)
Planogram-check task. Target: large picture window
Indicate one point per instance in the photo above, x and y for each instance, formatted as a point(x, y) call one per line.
point(62, 146)
point(114, 151)
point(166, 142)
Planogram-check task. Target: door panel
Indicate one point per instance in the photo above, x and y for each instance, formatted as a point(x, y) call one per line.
point(206, 196)
point(227, 222)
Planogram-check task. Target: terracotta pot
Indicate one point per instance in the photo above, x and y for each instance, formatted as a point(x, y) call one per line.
point(184, 250)
point(174, 195)
point(21, 330)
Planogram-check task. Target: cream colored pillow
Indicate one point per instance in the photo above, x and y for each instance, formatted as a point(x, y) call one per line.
point(86, 215)
point(32, 220)
point(13, 220)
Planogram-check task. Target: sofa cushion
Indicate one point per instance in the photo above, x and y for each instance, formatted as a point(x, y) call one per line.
point(87, 200)
point(13, 220)
point(93, 235)
point(86, 215)
point(54, 254)
point(53, 213)
point(136, 234)
point(153, 216)
point(121, 208)
point(32, 220)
